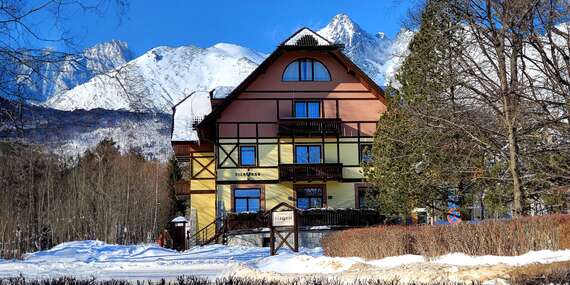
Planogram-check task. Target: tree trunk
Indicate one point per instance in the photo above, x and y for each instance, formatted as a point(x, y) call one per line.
point(514, 170)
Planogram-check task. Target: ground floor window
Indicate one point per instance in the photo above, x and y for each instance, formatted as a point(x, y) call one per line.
point(309, 197)
point(365, 197)
point(247, 200)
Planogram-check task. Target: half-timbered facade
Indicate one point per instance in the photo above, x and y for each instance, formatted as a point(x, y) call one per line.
point(296, 130)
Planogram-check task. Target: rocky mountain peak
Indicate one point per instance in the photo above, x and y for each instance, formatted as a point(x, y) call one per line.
point(341, 29)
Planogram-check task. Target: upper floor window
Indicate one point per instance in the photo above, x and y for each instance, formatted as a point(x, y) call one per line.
point(247, 156)
point(306, 69)
point(305, 154)
point(307, 109)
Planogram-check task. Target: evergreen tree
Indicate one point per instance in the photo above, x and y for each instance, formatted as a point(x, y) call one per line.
point(418, 161)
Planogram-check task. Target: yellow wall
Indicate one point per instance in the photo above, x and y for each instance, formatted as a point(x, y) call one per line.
point(343, 194)
point(268, 155)
point(277, 193)
point(205, 205)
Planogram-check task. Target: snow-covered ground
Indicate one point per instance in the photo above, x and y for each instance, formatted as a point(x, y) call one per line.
point(96, 259)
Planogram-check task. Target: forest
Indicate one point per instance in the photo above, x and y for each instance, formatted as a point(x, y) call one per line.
point(105, 194)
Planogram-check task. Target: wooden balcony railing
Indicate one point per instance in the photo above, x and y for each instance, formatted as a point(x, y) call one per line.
point(309, 127)
point(181, 188)
point(339, 217)
point(310, 172)
point(333, 218)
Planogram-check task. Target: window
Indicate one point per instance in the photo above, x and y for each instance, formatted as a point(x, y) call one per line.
point(306, 69)
point(307, 109)
point(305, 154)
point(247, 156)
point(247, 200)
point(365, 197)
point(309, 197)
point(366, 153)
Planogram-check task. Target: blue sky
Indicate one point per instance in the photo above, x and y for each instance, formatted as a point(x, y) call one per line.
point(260, 25)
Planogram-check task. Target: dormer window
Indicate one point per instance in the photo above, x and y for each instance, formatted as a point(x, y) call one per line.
point(306, 69)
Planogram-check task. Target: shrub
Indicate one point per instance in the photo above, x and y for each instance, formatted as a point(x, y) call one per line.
point(535, 274)
point(495, 237)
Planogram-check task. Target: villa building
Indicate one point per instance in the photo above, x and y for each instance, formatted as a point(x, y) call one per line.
point(296, 130)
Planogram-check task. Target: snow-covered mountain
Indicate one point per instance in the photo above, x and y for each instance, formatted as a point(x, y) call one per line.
point(163, 76)
point(57, 77)
point(160, 78)
point(375, 54)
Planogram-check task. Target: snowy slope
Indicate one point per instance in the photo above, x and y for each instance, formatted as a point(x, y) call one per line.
point(96, 259)
point(71, 133)
point(160, 78)
point(60, 76)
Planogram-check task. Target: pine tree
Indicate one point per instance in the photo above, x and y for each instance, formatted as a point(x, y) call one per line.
point(418, 161)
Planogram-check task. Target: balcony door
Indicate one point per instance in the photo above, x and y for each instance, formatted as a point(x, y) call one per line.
point(307, 109)
point(310, 196)
point(308, 154)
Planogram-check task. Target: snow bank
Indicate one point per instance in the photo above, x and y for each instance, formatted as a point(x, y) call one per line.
point(541, 256)
point(96, 259)
point(395, 261)
point(309, 261)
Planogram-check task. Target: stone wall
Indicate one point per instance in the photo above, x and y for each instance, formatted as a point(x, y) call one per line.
point(307, 238)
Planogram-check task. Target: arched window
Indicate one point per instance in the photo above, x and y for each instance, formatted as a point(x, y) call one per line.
point(306, 69)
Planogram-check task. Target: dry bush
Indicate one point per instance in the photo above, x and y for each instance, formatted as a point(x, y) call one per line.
point(534, 274)
point(494, 237)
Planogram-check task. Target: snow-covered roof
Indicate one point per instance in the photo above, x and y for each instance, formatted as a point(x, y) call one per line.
point(306, 37)
point(188, 113)
point(179, 219)
point(222, 92)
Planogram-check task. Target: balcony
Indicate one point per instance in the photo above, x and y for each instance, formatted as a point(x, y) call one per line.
point(309, 126)
point(310, 172)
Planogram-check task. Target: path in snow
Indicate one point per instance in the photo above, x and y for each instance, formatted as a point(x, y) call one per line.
point(88, 259)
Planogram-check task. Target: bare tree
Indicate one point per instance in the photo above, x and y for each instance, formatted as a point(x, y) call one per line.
point(496, 73)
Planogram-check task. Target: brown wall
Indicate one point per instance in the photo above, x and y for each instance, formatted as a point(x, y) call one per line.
point(268, 98)
point(186, 148)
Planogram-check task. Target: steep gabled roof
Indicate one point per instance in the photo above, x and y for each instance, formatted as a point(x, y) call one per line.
point(333, 49)
point(306, 37)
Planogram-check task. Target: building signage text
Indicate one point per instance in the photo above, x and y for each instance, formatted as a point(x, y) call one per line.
point(283, 219)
